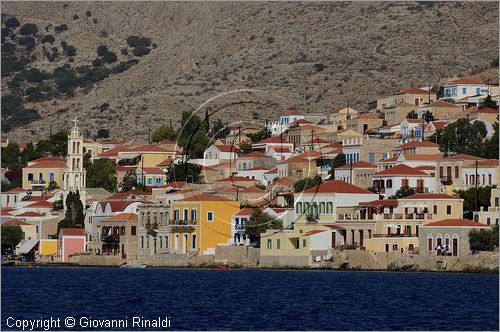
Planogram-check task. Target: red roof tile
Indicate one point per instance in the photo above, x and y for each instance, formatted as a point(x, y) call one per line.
point(246, 211)
point(255, 154)
point(41, 204)
point(337, 186)
point(465, 80)
point(227, 148)
point(279, 149)
point(49, 164)
point(441, 103)
point(419, 144)
point(272, 139)
point(72, 231)
point(153, 170)
point(301, 121)
point(31, 214)
point(123, 217)
point(15, 222)
point(236, 179)
point(286, 181)
point(252, 189)
point(487, 110)
point(428, 196)
point(315, 231)
point(16, 190)
point(204, 197)
point(291, 111)
point(401, 169)
point(381, 202)
point(414, 90)
point(454, 223)
point(462, 156)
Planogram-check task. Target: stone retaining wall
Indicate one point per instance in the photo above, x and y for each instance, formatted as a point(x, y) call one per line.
point(247, 256)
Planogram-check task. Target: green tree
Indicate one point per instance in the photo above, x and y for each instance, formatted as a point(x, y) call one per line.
point(129, 182)
point(11, 156)
point(56, 145)
point(307, 183)
point(102, 174)
point(220, 129)
point(246, 148)
point(74, 217)
point(11, 236)
point(52, 185)
point(404, 192)
point(259, 136)
point(164, 132)
point(258, 223)
point(488, 102)
point(412, 115)
point(338, 161)
point(484, 239)
point(428, 116)
point(469, 197)
point(184, 171)
point(58, 204)
point(490, 147)
point(463, 137)
point(193, 134)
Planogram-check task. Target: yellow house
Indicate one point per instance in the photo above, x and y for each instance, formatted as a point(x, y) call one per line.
point(47, 247)
point(92, 147)
point(200, 223)
point(29, 230)
point(38, 173)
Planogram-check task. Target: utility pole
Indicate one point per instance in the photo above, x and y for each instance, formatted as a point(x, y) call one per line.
point(350, 172)
point(142, 169)
point(149, 135)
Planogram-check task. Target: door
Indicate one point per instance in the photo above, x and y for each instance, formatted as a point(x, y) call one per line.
point(361, 238)
point(420, 186)
point(123, 251)
point(455, 247)
point(410, 247)
point(184, 244)
point(334, 238)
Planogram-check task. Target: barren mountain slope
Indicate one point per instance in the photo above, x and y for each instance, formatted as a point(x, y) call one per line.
point(203, 49)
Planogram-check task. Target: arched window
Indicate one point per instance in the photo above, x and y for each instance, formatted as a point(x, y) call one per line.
point(455, 249)
point(329, 207)
point(429, 243)
point(322, 207)
point(306, 208)
point(389, 183)
point(122, 230)
point(299, 207)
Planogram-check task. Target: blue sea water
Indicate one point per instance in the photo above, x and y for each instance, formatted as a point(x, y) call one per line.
point(203, 299)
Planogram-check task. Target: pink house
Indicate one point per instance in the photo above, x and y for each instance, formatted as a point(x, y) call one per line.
point(71, 241)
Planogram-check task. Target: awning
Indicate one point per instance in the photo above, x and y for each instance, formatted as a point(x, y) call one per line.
point(26, 246)
point(414, 205)
point(392, 226)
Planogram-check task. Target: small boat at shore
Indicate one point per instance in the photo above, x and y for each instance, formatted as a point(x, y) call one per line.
point(134, 266)
point(8, 263)
point(222, 267)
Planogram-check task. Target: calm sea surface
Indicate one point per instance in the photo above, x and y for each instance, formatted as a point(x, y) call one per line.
point(198, 299)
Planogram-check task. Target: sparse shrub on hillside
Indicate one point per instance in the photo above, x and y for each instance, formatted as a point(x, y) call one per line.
point(95, 75)
point(70, 50)
point(109, 57)
point(141, 50)
point(319, 67)
point(102, 133)
point(94, 20)
point(48, 39)
point(33, 75)
point(75, 17)
point(96, 62)
point(65, 79)
point(103, 107)
point(61, 28)
point(88, 13)
point(124, 51)
point(135, 41)
point(12, 22)
point(28, 29)
point(124, 65)
point(11, 64)
point(8, 48)
point(102, 50)
point(35, 95)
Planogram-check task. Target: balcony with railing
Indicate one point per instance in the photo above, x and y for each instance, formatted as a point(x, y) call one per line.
point(183, 222)
point(110, 239)
point(37, 182)
point(346, 217)
point(393, 235)
point(239, 227)
point(446, 180)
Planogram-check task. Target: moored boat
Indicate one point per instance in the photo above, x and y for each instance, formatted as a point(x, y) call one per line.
point(134, 265)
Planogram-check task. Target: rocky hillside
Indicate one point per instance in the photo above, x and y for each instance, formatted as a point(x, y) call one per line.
point(313, 56)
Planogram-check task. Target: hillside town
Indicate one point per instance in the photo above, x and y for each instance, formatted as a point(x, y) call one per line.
point(412, 178)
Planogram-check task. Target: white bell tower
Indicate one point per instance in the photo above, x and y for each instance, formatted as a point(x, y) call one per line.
point(74, 176)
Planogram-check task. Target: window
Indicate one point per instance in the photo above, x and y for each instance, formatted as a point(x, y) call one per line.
point(133, 230)
point(30, 176)
point(489, 179)
point(193, 214)
point(150, 181)
point(464, 91)
point(329, 207)
point(194, 241)
point(387, 247)
point(304, 243)
point(429, 243)
point(299, 207)
point(147, 242)
point(278, 244)
point(51, 176)
point(478, 91)
point(371, 157)
point(404, 183)
point(186, 214)
point(142, 242)
point(161, 242)
point(176, 214)
point(158, 181)
point(457, 172)
point(210, 216)
point(322, 207)
point(269, 244)
point(176, 242)
point(488, 221)
point(389, 183)
point(448, 209)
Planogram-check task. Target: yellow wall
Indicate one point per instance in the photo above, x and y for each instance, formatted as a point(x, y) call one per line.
point(47, 247)
point(46, 176)
point(153, 159)
point(378, 244)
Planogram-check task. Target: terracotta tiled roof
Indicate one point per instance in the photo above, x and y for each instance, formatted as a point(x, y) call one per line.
point(117, 206)
point(430, 196)
point(454, 223)
point(41, 204)
point(272, 139)
point(257, 168)
point(246, 211)
point(401, 169)
point(317, 140)
point(422, 156)
point(441, 103)
point(72, 231)
point(465, 80)
point(419, 144)
point(255, 154)
point(301, 122)
point(16, 190)
point(358, 164)
point(252, 189)
point(272, 171)
point(414, 90)
point(291, 111)
point(440, 124)
point(166, 162)
point(31, 214)
point(114, 151)
point(487, 110)
point(15, 222)
point(204, 197)
point(315, 231)
point(235, 179)
point(166, 141)
point(177, 185)
point(286, 181)
point(227, 148)
point(152, 170)
point(462, 156)
point(60, 163)
point(279, 149)
point(123, 217)
point(381, 202)
point(367, 116)
point(337, 186)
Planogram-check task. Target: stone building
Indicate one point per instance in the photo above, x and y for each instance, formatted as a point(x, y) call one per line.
point(153, 229)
